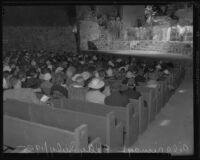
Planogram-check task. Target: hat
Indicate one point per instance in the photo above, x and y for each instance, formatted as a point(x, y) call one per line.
point(129, 74)
point(122, 68)
point(166, 71)
point(119, 60)
point(76, 76)
point(111, 63)
point(109, 72)
point(85, 75)
point(158, 66)
point(47, 76)
point(96, 83)
point(59, 69)
point(6, 68)
point(82, 62)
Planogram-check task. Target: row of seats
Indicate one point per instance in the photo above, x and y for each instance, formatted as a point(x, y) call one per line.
point(79, 125)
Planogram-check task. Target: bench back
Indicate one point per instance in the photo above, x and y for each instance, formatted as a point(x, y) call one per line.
point(143, 110)
point(42, 138)
point(103, 126)
point(150, 96)
point(128, 115)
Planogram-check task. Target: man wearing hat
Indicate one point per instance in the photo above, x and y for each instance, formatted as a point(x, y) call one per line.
point(95, 93)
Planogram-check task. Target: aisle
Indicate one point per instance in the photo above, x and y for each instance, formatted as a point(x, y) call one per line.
point(172, 130)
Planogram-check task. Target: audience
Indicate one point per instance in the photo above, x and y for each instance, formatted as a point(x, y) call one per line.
point(26, 72)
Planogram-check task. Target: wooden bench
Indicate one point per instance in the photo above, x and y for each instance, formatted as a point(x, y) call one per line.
point(149, 95)
point(42, 138)
point(143, 113)
point(128, 115)
point(104, 125)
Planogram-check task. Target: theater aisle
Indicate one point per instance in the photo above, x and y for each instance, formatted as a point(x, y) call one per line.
point(172, 130)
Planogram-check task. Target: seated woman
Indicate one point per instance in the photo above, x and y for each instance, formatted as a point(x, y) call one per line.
point(46, 84)
point(95, 93)
point(20, 94)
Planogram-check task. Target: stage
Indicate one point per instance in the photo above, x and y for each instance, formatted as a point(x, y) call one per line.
point(142, 54)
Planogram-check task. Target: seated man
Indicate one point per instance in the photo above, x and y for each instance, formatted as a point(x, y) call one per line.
point(116, 98)
point(46, 84)
point(21, 94)
point(95, 93)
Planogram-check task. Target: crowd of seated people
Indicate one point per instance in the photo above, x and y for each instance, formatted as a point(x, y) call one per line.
point(26, 72)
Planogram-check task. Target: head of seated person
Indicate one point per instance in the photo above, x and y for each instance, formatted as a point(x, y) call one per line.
point(32, 80)
point(6, 79)
point(59, 91)
point(70, 72)
point(78, 81)
point(116, 98)
point(15, 83)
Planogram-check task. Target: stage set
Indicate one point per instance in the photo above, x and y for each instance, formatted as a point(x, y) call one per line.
point(98, 79)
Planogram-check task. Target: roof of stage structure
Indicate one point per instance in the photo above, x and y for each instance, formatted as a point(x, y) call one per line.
point(142, 54)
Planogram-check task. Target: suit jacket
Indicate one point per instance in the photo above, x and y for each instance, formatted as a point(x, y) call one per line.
point(117, 99)
point(131, 94)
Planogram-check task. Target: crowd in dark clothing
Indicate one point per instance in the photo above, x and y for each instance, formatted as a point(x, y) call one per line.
point(26, 72)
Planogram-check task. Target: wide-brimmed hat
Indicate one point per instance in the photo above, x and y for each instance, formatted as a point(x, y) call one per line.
point(85, 75)
point(59, 69)
point(7, 68)
point(166, 71)
point(158, 66)
point(129, 74)
point(76, 76)
point(96, 83)
point(119, 60)
point(47, 76)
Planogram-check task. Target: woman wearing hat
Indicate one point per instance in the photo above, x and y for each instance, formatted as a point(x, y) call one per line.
point(95, 93)
point(78, 81)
